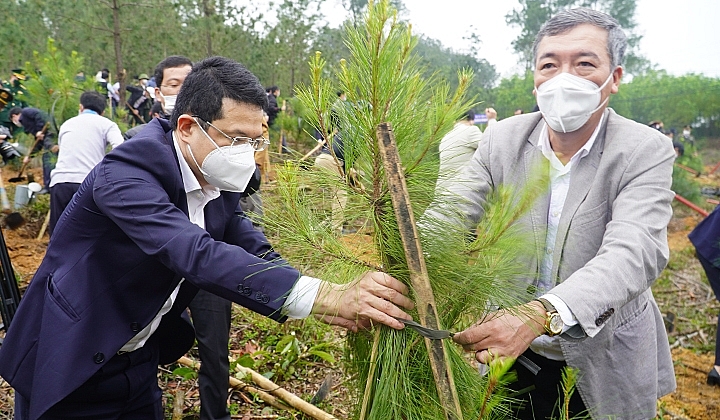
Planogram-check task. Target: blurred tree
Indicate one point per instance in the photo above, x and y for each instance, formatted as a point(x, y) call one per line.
point(513, 93)
point(533, 13)
point(676, 100)
point(16, 41)
point(443, 61)
point(289, 41)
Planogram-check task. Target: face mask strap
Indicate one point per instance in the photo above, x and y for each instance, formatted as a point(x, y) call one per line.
point(207, 135)
point(606, 81)
point(195, 160)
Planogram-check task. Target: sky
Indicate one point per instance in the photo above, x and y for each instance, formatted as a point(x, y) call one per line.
point(677, 36)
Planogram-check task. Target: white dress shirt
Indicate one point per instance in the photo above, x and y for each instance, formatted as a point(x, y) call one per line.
point(300, 300)
point(544, 345)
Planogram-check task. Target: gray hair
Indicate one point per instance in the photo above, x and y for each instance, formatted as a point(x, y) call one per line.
point(566, 20)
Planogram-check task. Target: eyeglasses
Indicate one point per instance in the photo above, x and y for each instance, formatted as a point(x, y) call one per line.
point(257, 144)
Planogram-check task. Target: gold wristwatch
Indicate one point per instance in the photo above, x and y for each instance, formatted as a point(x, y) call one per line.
point(553, 322)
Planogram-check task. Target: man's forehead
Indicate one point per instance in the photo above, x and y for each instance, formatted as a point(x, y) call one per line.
point(176, 73)
point(586, 37)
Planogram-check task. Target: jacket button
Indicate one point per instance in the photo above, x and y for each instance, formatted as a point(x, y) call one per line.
point(98, 358)
point(134, 326)
point(246, 291)
point(262, 297)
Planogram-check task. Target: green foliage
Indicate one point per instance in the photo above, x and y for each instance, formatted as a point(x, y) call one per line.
point(285, 354)
point(445, 63)
point(51, 85)
point(187, 373)
point(685, 184)
point(384, 81)
point(676, 100)
point(513, 93)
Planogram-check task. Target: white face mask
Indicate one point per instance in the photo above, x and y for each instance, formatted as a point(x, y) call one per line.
point(228, 168)
point(686, 133)
point(169, 101)
point(567, 101)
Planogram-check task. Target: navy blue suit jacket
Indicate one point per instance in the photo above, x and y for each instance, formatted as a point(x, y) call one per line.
point(706, 237)
point(118, 251)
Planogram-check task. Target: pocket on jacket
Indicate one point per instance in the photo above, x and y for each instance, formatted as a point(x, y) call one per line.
point(56, 297)
point(634, 317)
point(598, 213)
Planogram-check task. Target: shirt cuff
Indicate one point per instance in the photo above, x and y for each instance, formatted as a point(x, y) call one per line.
point(302, 296)
point(565, 313)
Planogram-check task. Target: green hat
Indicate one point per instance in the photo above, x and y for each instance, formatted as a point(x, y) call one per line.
point(5, 97)
point(19, 73)
point(143, 76)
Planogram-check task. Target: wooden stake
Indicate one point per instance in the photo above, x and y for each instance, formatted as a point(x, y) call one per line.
point(44, 226)
point(419, 278)
point(269, 388)
point(178, 403)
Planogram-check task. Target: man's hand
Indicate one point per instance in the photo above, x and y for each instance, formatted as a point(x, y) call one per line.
point(491, 113)
point(39, 136)
point(372, 298)
point(507, 332)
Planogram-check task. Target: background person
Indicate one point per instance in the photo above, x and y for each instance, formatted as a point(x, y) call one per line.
point(458, 146)
point(82, 142)
point(706, 239)
point(35, 122)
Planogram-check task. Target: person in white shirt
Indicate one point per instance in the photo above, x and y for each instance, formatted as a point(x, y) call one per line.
point(82, 143)
point(457, 147)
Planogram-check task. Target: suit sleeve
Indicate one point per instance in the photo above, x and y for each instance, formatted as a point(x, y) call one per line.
point(134, 197)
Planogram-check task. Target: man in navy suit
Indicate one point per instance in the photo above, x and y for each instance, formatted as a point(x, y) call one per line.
point(153, 222)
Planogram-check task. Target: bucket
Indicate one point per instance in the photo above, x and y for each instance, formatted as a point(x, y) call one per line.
point(22, 196)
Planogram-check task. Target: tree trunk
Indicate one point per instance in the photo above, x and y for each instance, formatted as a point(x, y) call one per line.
point(117, 41)
point(209, 12)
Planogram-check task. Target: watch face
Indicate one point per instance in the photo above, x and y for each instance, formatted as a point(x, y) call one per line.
point(555, 324)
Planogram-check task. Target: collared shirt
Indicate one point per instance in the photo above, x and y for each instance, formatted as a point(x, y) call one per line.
point(544, 345)
point(300, 299)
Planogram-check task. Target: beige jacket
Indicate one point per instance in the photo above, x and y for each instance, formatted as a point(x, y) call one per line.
point(611, 246)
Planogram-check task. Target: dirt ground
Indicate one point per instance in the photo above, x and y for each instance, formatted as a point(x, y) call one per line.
point(693, 399)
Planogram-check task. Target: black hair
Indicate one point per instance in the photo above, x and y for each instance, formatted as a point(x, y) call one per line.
point(93, 101)
point(272, 89)
point(14, 111)
point(212, 80)
point(105, 73)
point(470, 115)
point(156, 108)
point(340, 93)
point(169, 63)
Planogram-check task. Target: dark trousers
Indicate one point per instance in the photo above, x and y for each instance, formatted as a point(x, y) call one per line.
point(540, 393)
point(211, 318)
point(48, 163)
point(713, 275)
point(125, 388)
point(60, 196)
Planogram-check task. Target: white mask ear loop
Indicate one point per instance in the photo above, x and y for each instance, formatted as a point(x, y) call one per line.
point(195, 160)
point(599, 89)
point(207, 135)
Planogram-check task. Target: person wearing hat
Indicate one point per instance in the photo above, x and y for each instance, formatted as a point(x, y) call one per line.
point(17, 95)
point(139, 102)
point(5, 97)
